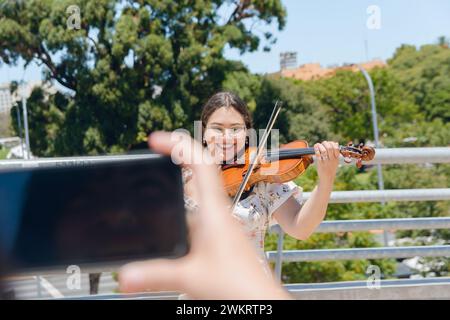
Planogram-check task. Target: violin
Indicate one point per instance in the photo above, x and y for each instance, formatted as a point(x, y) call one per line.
point(284, 164)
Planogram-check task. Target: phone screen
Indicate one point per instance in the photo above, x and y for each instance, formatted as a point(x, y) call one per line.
point(92, 214)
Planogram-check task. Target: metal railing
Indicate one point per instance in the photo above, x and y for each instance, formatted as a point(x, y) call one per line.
point(379, 224)
point(383, 224)
point(411, 155)
point(365, 225)
point(361, 253)
point(435, 194)
point(383, 156)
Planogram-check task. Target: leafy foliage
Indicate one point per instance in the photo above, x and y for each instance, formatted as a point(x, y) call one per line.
point(132, 67)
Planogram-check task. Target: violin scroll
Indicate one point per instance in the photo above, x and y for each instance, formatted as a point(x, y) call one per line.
point(359, 152)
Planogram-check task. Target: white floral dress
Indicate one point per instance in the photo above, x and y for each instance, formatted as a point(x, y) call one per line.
point(254, 213)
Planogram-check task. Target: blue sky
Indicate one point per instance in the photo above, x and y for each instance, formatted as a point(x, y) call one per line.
point(332, 32)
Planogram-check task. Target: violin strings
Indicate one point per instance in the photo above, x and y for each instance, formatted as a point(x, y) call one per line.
point(291, 152)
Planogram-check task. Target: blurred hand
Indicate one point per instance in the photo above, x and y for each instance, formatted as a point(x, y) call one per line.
point(222, 263)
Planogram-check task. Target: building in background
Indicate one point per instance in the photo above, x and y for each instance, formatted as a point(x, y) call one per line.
point(8, 99)
point(5, 98)
point(288, 60)
point(314, 71)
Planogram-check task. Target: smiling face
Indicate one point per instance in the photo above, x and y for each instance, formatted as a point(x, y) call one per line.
point(225, 133)
point(225, 121)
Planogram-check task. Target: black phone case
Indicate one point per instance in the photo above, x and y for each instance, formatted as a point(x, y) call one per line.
point(96, 215)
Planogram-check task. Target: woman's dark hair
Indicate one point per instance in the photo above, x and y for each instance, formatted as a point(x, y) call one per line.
point(229, 100)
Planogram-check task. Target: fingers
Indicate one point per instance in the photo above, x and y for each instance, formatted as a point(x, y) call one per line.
point(184, 150)
point(336, 149)
point(180, 146)
point(327, 150)
point(317, 151)
point(321, 151)
point(332, 149)
point(156, 275)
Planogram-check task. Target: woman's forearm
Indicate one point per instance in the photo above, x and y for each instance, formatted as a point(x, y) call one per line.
point(314, 210)
point(300, 222)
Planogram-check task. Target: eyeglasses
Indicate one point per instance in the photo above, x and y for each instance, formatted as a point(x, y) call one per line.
point(234, 131)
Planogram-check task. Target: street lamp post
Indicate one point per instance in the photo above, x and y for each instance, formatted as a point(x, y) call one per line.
point(374, 122)
point(375, 131)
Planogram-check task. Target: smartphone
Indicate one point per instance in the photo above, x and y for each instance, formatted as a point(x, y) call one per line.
point(95, 215)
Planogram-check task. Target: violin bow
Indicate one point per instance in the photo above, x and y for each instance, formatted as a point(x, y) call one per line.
point(255, 160)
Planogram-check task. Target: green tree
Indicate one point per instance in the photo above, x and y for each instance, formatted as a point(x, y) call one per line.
point(346, 99)
point(302, 115)
point(246, 85)
point(424, 73)
point(132, 67)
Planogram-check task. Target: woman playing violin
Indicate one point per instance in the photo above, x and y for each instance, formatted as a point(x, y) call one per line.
point(226, 121)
